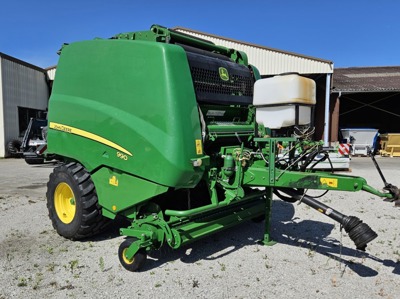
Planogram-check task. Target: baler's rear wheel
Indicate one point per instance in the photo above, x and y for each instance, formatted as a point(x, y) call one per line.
point(138, 259)
point(72, 202)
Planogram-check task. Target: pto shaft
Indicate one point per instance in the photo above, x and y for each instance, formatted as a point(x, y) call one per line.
point(360, 233)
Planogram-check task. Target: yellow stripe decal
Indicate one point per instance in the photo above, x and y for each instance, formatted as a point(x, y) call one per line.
point(79, 132)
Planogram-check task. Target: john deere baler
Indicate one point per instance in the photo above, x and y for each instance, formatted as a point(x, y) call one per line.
point(172, 132)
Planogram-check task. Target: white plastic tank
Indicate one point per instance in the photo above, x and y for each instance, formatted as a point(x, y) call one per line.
point(276, 99)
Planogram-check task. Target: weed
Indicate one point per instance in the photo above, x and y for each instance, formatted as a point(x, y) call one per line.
point(50, 250)
point(382, 292)
point(22, 282)
point(38, 280)
point(310, 253)
point(101, 264)
point(157, 285)
point(195, 283)
point(222, 265)
point(179, 283)
point(152, 272)
point(51, 267)
point(73, 265)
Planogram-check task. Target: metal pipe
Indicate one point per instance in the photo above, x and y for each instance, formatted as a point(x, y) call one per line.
point(315, 204)
point(211, 207)
point(327, 103)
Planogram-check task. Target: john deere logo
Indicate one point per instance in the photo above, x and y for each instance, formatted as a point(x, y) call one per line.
point(223, 73)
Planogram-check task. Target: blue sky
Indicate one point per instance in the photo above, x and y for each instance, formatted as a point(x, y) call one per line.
point(349, 33)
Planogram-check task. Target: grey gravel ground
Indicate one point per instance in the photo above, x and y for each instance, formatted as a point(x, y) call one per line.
point(312, 259)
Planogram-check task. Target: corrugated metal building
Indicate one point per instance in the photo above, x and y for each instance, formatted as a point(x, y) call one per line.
point(24, 93)
point(270, 62)
point(367, 97)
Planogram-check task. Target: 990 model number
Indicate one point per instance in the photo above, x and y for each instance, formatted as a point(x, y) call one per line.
point(122, 156)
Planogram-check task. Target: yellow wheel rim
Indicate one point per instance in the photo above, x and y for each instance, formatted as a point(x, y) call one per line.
point(125, 259)
point(64, 203)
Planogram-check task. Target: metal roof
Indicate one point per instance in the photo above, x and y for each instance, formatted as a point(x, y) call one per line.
point(269, 61)
point(366, 79)
point(19, 61)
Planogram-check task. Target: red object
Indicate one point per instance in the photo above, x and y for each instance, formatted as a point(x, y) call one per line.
point(344, 149)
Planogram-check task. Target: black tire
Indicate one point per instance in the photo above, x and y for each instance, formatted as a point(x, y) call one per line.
point(34, 161)
point(72, 202)
point(139, 259)
point(14, 148)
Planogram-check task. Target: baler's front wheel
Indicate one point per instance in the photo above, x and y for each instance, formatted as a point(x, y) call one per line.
point(72, 202)
point(138, 259)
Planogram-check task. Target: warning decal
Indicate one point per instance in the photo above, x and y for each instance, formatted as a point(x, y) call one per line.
point(333, 183)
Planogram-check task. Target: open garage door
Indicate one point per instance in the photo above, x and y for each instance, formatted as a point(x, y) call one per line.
point(371, 110)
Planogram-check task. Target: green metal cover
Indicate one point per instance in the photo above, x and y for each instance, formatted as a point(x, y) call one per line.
point(128, 105)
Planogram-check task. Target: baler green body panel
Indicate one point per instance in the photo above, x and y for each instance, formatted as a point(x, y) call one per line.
point(117, 191)
point(135, 110)
point(129, 106)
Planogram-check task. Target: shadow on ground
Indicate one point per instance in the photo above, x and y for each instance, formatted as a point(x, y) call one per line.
point(286, 229)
